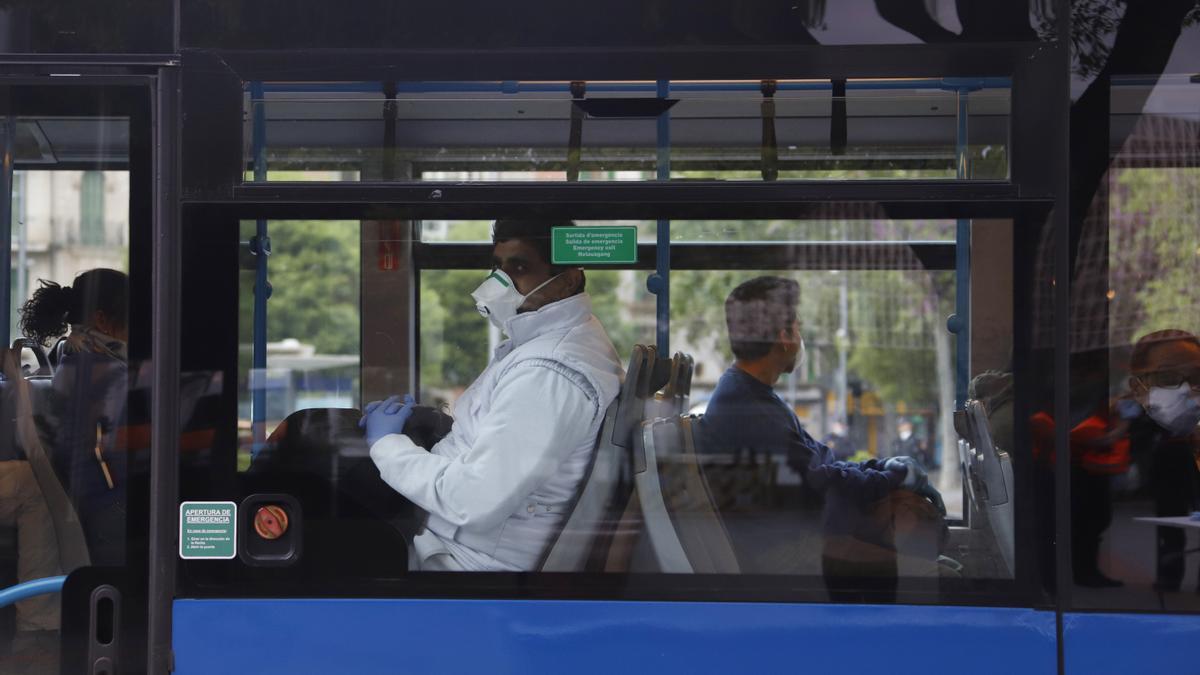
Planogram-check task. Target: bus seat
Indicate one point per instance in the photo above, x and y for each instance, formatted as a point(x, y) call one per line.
point(24, 401)
point(989, 474)
point(352, 520)
point(583, 542)
point(639, 385)
point(320, 457)
point(43, 362)
point(601, 506)
point(672, 399)
point(682, 524)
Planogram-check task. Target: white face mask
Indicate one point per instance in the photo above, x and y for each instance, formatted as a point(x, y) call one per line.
point(498, 299)
point(1174, 408)
point(905, 435)
point(801, 356)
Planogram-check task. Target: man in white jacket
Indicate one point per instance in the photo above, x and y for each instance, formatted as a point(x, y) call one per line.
point(498, 487)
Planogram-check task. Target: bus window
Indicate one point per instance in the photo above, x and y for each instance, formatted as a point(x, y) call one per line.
point(877, 380)
point(73, 443)
point(802, 130)
point(310, 346)
point(1135, 380)
point(455, 345)
point(872, 400)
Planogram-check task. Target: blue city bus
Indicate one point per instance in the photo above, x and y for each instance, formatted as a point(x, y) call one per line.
point(987, 208)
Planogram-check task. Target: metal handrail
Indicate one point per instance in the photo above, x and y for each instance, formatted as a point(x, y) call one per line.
point(31, 589)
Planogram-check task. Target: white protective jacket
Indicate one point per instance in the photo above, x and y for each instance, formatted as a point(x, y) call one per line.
point(498, 487)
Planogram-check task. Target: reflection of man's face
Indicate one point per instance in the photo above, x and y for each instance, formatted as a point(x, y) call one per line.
point(1168, 365)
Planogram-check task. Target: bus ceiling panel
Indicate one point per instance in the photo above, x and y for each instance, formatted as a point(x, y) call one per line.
point(37, 97)
point(740, 256)
point(63, 143)
point(915, 122)
point(757, 62)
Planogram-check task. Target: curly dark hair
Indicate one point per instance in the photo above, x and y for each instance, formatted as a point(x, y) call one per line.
point(52, 309)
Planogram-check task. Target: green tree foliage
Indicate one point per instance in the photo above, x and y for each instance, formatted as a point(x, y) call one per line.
point(454, 344)
point(314, 275)
point(891, 314)
point(315, 267)
point(1156, 254)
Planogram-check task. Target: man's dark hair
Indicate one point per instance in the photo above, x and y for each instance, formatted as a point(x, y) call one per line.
point(537, 232)
point(755, 313)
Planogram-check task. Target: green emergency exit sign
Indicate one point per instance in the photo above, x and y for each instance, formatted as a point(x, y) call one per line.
point(207, 530)
point(612, 245)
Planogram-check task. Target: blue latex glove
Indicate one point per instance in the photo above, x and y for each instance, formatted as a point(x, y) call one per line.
point(915, 477)
point(386, 417)
point(929, 492)
point(917, 480)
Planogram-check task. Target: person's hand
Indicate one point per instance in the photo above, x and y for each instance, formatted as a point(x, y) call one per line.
point(386, 417)
point(917, 480)
point(915, 477)
point(929, 492)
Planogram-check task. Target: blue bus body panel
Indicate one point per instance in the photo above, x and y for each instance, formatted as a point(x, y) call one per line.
point(609, 638)
point(1097, 644)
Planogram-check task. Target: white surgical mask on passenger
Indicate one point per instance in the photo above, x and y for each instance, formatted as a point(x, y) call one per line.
point(1174, 408)
point(498, 299)
point(797, 358)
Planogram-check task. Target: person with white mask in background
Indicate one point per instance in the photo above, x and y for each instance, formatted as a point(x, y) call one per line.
point(498, 487)
point(1165, 382)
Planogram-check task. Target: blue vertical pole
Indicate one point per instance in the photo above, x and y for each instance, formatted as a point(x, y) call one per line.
point(962, 265)
point(260, 246)
point(662, 263)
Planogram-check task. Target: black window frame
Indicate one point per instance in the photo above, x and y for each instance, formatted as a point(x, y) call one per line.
point(215, 194)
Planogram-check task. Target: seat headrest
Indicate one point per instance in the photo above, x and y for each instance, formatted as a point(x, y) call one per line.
point(39, 353)
point(634, 391)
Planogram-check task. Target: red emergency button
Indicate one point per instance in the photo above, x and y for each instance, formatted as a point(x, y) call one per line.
point(271, 522)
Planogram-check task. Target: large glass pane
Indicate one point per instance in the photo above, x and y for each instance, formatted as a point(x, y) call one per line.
point(312, 325)
point(837, 469)
point(1135, 383)
point(74, 437)
point(626, 131)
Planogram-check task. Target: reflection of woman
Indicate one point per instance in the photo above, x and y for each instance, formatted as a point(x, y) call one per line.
point(88, 408)
point(1165, 368)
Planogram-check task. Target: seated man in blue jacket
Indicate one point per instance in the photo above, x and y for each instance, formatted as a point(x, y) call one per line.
point(746, 413)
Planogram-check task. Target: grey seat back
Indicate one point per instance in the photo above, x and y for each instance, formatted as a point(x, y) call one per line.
point(28, 398)
point(585, 538)
point(684, 528)
point(988, 473)
point(672, 399)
